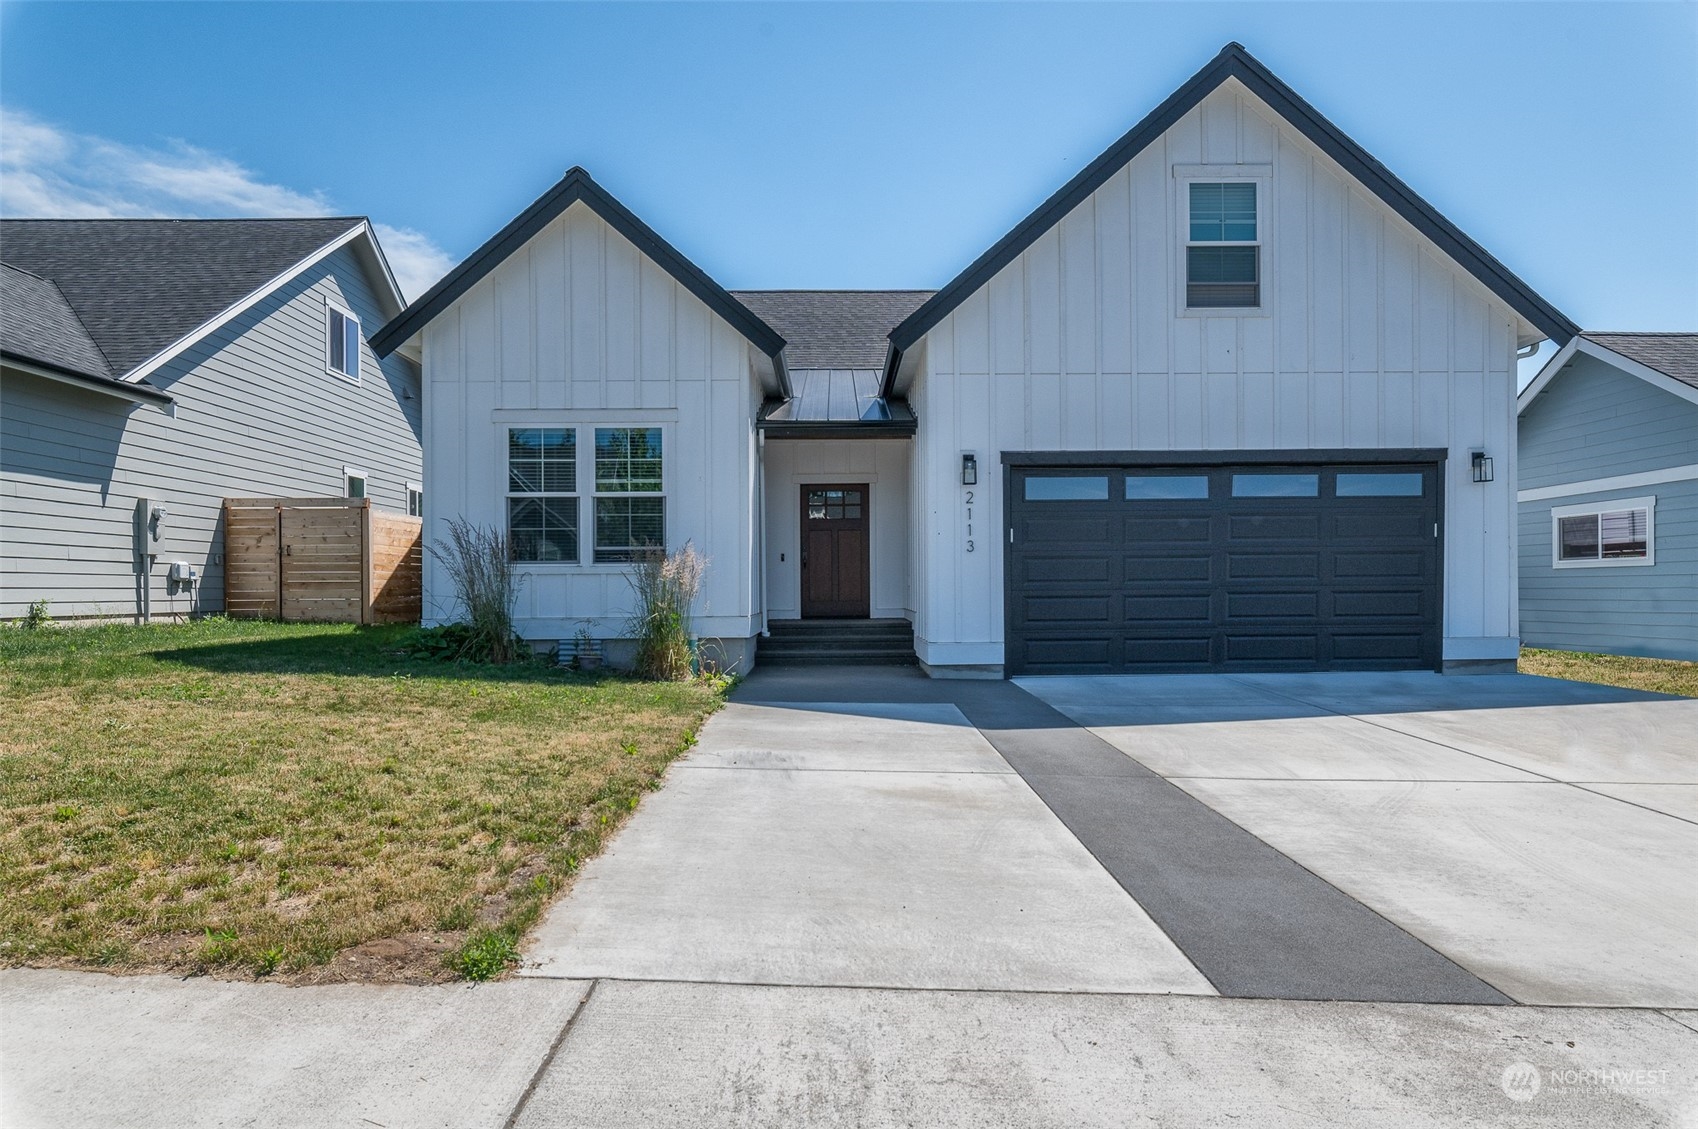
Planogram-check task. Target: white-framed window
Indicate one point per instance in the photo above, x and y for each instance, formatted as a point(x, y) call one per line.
point(415, 499)
point(630, 492)
point(542, 494)
point(353, 482)
point(1604, 534)
point(341, 341)
point(1224, 222)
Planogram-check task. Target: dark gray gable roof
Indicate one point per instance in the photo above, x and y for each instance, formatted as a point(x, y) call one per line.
point(137, 286)
point(576, 185)
point(1672, 354)
point(833, 329)
point(38, 325)
point(1235, 62)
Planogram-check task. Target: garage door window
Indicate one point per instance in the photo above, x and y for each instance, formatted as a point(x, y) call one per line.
point(1380, 485)
point(1276, 485)
point(1165, 487)
point(1074, 488)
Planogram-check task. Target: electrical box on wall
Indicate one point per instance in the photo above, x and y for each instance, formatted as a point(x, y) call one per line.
point(149, 527)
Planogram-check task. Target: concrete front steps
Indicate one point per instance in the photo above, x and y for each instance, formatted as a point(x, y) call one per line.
point(837, 642)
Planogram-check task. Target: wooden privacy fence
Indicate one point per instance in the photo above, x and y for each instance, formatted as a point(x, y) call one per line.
point(335, 560)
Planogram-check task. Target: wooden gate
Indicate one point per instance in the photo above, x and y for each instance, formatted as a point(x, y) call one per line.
point(335, 560)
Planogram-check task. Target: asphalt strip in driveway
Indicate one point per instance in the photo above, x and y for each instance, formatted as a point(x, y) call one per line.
point(1254, 922)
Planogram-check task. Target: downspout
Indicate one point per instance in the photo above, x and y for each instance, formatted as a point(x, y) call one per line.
point(760, 520)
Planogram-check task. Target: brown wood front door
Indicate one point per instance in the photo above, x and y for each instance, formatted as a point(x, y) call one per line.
point(835, 579)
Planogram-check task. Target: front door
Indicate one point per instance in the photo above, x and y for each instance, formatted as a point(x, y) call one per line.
point(834, 552)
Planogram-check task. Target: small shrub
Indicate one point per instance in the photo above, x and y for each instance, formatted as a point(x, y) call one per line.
point(666, 585)
point(485, 955)
point(451, 642)
point(479, 564)
point(36, 616)
point(268, 961)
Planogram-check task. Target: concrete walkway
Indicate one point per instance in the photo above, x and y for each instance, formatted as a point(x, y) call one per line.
point(869, 899)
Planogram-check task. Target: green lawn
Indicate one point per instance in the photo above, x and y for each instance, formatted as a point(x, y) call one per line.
point(303, 800)
point(1665, 676)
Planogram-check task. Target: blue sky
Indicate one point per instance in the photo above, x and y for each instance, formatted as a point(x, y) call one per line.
point(858, 145)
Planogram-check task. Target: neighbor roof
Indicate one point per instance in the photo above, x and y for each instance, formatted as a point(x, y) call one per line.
point(577, 186)
point(833, 329)
point(139, 286)
point(1234, 62)
point(1672, 354)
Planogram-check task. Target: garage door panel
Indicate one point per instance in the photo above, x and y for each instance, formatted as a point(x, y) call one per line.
point(1259, 566)
point(1400, 603)
point(1380, 526)
point(1411, 565)
point(1198, 569)
point(1067, 609)
point(1174, 607)
point(1169, 651)
point(1272, 605)
point(1155, 530)
point(1065, 570)
point(1238, 570)
point(1262, 647)
point(1273, 527)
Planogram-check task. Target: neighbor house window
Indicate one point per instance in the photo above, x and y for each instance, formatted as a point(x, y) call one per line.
point(1604, 533)
point(415, 500)
point(542, 494)
point(353, 483)
point(1223, 254)
point(630, 502)
point(342, 347)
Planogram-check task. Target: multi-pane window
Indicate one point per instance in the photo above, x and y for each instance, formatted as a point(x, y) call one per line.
point(342, 345)
point(415, 500)
point(630, 504)
point(1607, 533)
point(834, 505)
point(1222, 247)
point(542, 494)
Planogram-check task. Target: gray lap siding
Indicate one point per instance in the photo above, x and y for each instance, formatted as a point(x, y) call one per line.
point(257, 415)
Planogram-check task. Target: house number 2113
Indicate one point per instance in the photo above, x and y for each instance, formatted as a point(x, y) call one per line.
point(969, 521)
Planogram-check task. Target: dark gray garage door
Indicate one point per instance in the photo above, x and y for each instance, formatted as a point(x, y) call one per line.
point(1244, 567)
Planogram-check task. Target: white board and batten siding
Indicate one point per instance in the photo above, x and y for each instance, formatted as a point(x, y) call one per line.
point(1369, 336)
point(257, 414)
point(579, 329)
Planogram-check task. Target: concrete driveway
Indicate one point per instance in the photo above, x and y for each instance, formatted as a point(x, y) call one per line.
point(1541, 834)
point(869, 899)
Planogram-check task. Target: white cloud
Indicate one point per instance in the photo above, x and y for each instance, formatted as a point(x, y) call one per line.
point(48, 172)
point(416, 262)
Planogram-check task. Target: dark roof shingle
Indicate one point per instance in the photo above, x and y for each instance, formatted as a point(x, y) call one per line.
point(139, 285)
point(37, 324)
point(1672, 354)
point(833, 329)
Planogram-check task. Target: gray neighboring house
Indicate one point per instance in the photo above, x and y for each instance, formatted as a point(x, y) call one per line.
point(1608, 494)
point(150, 369)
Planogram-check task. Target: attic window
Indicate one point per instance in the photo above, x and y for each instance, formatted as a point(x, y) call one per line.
point(342, 345)
point(1222, 247)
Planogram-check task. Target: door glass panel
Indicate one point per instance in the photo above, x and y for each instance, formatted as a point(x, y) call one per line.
point(1156, 487)
point(1276, 485)
point(1070, 489)
point(1380, 485)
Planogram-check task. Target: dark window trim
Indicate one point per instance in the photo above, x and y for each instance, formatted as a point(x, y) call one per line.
point(1294, 457)
point(1233, 62)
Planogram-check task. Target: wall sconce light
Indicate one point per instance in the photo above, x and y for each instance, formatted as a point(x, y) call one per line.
point(1481, 464)
point(969, 469)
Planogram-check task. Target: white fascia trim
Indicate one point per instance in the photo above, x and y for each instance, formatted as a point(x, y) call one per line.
point(363, 228)
point(1610, 357)
point(1619, 482)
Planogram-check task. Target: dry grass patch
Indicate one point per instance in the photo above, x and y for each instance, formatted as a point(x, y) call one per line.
point(302, 799)
point(1664, 676)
